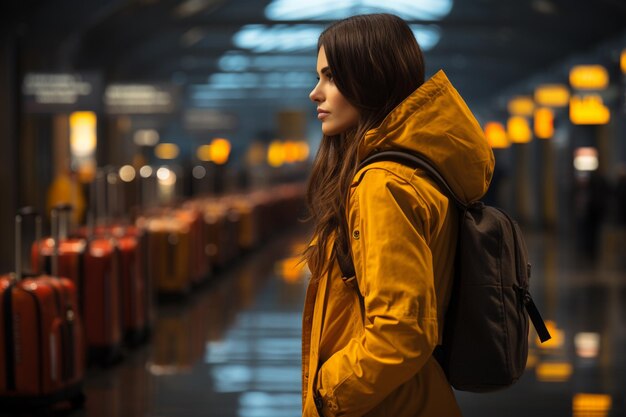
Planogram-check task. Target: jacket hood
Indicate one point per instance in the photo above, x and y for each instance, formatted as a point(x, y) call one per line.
point(435, 122)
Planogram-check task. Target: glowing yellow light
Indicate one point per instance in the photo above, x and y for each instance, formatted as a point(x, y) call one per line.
point(303, 151)
point(597, 405)
point(623, 61)
point(83, 137)
point(589, 77)
point(204, 153)
point(558, 337)
point(544, 123)
point(554, 371)
point(518, 129)
point(291, 269)
point(496, 135)
point(166, 151)
point(552, 95)
point(521, 106)
point(291, 152)
point(588, 110)
point(220, 150)
point(276, 154)
point(127, 173)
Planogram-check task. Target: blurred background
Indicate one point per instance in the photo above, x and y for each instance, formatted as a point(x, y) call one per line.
point(181, 134)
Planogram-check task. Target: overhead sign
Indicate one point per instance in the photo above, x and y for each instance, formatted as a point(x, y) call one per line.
point(140, 99)
point(552, 95)
point(209, 119)
point(521, 106)
point(588, 110)
point(61, 92)
point(589, 77)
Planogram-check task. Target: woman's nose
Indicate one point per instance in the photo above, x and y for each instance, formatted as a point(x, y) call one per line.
point(315, 95)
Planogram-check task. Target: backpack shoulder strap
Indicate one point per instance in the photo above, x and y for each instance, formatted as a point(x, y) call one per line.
point(415, 160)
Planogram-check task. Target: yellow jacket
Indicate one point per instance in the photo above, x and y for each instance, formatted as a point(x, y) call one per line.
point(375, 358)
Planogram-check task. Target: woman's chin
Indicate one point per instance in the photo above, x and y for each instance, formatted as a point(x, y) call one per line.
point(330, 130)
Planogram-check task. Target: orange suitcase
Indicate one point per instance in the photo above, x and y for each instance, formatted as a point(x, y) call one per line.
point(168, 243)
point(92, 264)
point(41, 338)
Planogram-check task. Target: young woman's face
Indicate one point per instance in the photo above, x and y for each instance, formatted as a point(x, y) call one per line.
point(335, 112)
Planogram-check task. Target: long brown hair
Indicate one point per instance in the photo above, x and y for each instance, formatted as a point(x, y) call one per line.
point(376, 63)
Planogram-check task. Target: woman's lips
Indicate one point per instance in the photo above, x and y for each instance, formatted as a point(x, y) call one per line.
point(321, 114)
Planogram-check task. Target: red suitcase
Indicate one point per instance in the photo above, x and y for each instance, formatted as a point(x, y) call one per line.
point(41, 338)
point(136, 293)
point(93, 266)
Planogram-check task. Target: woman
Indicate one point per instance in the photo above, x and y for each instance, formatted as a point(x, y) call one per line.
point(369, 353)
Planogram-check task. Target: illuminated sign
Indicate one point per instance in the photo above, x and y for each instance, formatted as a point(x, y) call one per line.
point(496, 135)
point(140, 99)
point(589, 77)
point(303, 37)
point(83, 138)
point(586, 159)
point(61, 93)
point(587, 344)
point(623, 61)
point(588, 110)
point(554, 371)
point(333, 9)
point(597, 405)
point(544, 123)
point(521, 106)
point(518, 129)
point(552, 95)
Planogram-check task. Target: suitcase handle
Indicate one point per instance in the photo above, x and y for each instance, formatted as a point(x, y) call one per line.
point(21, 215)
point(64, 213)
point(59, 223)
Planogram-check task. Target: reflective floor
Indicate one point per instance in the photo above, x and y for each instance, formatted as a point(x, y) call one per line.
point(233, 348)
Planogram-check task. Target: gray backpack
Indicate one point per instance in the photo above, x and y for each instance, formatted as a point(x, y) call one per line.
point(485, 341)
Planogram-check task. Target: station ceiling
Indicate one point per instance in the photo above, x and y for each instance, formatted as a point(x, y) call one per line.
point(483, 45)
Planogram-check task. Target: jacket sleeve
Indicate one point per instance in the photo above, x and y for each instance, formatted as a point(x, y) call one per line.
point(389, 228)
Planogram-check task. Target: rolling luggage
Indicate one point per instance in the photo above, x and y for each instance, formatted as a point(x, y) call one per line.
point(221, 228)
point(168, 243)
point(92, 264)
point(133, 285)
point(41, 337)
point(198, 258)
point(130, 247)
